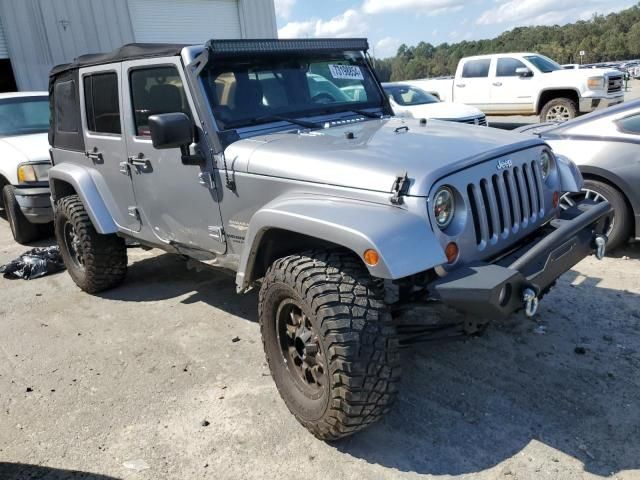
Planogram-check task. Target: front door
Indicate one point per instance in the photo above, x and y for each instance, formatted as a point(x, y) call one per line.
point(106, 149)
point(511, 92)
point(176, 201)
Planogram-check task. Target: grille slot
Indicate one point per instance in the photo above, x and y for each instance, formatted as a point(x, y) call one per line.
point(614, 84)
point(482, 121)
point(506, 202)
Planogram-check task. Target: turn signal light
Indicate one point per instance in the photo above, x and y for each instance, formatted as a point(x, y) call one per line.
point(371, 257)
point(556, 199)
point(452, 252)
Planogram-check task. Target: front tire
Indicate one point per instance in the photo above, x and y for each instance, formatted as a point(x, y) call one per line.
point(329, 341)
point(23, 230)
point(559, 110)
point(622, 221)
point(95, 262)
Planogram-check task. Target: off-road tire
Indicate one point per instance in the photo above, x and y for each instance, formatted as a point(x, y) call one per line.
point(104, 256)
point(23, 230)
point(623, 218)
point(566, 104)
point(356, 336)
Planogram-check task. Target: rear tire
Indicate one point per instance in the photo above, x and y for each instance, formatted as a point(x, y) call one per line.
point(95, 262)
point(559, 110)
point(23, 230)
point(329, 341)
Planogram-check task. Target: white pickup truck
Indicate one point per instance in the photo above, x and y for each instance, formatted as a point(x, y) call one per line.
point(527, 84)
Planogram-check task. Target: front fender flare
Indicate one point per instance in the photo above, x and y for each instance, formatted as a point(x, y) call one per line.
point(570, 177)
point(403, 239)
point(80, 180)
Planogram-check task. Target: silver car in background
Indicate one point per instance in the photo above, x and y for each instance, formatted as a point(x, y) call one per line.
point(606, 147)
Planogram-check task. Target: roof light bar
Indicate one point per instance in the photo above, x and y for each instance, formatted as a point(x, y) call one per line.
point(267, 46)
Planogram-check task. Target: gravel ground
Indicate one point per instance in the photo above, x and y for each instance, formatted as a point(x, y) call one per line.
point(149, 375)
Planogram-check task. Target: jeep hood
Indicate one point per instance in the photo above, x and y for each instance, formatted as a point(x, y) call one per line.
point(379, 152)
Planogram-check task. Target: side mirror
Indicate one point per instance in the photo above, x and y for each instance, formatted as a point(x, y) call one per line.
point(171, 130)
point(524, 72)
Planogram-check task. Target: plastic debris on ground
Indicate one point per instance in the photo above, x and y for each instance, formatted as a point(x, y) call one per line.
point(34, 263)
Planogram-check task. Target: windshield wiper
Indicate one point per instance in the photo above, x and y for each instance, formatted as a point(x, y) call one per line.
point(271, 118)
point(364, 113)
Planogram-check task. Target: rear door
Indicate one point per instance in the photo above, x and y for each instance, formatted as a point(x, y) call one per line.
point(177, 202)
point(509, 91)
point(105, 144)
point(473, 86)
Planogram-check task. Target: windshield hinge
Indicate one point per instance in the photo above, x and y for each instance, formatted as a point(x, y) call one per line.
point(400, 188)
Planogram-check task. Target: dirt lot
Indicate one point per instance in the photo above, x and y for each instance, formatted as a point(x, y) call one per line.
point(91, 383)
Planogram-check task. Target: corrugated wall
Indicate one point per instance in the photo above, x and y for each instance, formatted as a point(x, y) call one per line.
point(258, 19)
point(44, 33)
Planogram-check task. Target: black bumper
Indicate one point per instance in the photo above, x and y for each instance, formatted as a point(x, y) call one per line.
point(495, 290)
point(35, 203)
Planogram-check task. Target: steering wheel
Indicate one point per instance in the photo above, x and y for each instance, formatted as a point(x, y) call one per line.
point(323, 98)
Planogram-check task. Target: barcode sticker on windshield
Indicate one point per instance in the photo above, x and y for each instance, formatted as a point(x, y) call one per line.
point(346, 72)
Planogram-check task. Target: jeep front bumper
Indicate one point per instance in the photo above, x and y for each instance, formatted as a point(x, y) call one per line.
point(517, 280)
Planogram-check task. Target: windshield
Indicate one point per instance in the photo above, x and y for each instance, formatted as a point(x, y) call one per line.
point(544, 64)
point(24, 115)
point(243, 92)
point(409, 96)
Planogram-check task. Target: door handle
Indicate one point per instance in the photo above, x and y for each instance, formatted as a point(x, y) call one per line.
point(497, 84)
point(461, 85)
point(138, 161)
point(94, 155)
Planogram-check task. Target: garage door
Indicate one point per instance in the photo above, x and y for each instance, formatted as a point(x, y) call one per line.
point(184, 21)
point(4, 52)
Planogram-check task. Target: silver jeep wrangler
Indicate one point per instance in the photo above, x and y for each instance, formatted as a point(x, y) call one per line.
point(281, 160)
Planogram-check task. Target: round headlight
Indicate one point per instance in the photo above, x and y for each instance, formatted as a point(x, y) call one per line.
point(444, 207)
point(546, 164)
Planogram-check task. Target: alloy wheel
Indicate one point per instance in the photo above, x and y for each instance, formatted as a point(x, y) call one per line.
point(300, 347)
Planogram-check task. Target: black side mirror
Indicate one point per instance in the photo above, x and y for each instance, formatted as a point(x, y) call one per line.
point(524, 72)
point(171, 130)
point(174, 130)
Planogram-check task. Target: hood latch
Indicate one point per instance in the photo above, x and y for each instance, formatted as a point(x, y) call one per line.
point(400, 188)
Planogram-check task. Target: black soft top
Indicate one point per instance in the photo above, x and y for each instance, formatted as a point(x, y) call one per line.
point(131, 51)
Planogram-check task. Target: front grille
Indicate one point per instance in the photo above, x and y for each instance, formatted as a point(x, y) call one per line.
point(614, 84)
point(506, 203)
point(482, 120)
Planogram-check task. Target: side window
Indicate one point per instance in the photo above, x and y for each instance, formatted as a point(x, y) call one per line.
point(476, 68)
point(102, 103)
point(630, 124)
point(65, 101)
point(507, 67)
point(155, 91)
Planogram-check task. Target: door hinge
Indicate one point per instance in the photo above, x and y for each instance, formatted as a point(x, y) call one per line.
point(216, 232)
point(124, 168)
point(206, 179)
point(133, 212)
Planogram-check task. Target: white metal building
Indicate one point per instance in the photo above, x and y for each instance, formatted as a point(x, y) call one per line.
point(38, 34)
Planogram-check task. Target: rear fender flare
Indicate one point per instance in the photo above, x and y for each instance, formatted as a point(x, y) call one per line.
point(80, 180)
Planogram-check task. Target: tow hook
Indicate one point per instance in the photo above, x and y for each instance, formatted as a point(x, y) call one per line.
point(601, 246)
point(530, 299)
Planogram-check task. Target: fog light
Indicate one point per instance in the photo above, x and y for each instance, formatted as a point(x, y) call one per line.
point(556, 199)
point(451, 251)
point(371, 257)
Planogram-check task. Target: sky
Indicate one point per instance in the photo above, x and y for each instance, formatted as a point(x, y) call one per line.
point(389, 23)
